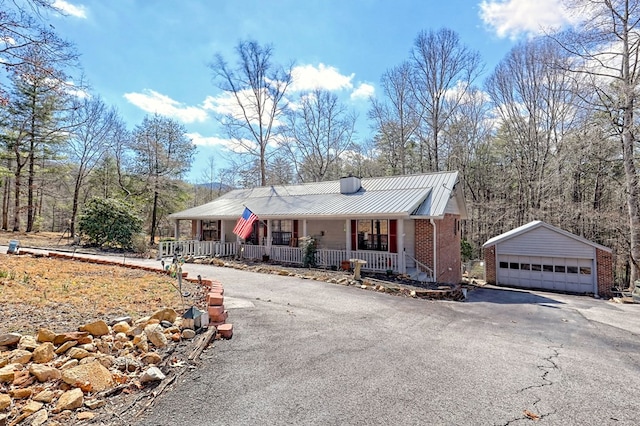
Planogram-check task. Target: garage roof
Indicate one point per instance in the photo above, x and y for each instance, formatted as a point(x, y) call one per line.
point(537, 224)
point(423, 195)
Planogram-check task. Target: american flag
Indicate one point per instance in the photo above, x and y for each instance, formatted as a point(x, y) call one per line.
point(244, 226)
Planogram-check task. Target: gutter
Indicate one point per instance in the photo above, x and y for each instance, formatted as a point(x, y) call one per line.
point(435, 252)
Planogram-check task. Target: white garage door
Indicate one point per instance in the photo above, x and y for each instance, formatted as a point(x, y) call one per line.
point(553, 273)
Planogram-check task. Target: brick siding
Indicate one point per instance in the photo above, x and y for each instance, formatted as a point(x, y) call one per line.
point(448, 247)
point(604, 262)
point(490, 265)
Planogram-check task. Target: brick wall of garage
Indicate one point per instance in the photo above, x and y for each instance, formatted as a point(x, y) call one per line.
point(604, 262)
point(490, 265)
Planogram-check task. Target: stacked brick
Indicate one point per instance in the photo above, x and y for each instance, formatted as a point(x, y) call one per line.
point(215, 307)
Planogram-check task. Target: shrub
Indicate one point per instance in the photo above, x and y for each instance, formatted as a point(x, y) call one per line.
point(309, 249)
point(109, 222)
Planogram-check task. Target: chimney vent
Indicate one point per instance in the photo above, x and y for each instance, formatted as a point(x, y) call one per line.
point(349, 184)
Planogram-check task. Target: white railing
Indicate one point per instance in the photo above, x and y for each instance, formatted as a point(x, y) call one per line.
point(376, 261)
point(196, 248)
point(286, 254)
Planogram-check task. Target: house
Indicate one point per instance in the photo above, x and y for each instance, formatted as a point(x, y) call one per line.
point(538, 255)
point(405, 224)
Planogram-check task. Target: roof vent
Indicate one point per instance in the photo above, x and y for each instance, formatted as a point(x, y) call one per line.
point(349, 184)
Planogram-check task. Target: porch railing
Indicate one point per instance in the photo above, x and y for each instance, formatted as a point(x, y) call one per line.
point(376, 261)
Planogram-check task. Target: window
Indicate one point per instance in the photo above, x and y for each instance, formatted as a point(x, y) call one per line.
point(210, 230)
point(560, 269)
point(504, 265)
point(585, 270)
point(537, 268)
point(373, 234)
point(514, 265)
point(547, 268)
point(525, 266)
point(572, 269)
point(281, 232)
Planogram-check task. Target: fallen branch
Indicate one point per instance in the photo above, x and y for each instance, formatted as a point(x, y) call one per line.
point(205, 340)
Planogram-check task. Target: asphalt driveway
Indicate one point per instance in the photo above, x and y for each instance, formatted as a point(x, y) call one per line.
point(307, 352)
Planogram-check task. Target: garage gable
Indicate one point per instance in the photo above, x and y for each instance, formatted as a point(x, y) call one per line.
point(537, 238)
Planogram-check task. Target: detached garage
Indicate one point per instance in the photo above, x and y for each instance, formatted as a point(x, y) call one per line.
point(540, 256)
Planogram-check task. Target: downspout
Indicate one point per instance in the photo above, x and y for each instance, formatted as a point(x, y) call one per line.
point(435, 251)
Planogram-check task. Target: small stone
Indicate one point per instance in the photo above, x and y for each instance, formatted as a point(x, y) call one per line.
point(69, 364)
point(39, 418)
point(3, 420)
point(4, 360)
point(66, 346)
point(21, 393)
point(121, 327)
point(27, 343)
point(121, 337)
point(89, 347)
point(95, 373)
point(77, 353)
point(45, 335)
point(93, 404)
point(45, 396)
point(97, 328)
point(5, 401)
point(166, 324)
point(152, 374)
point(78, 336)
point(166, 314)
point(43, 353)
point(127, 320)
point(155, 334)
point(187, 333)
point(31, 407)
point(128, 364)
point(20, 356)
point(151, 358)
point(44, 372)
point(70, 400)
point(10, 339)
point(8, 372)
point(85, 415)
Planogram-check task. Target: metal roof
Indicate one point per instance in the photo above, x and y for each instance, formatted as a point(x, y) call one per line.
point(423, 195)
point(537, 224)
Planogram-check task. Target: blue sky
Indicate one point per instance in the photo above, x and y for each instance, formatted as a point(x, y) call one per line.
point(151, 56)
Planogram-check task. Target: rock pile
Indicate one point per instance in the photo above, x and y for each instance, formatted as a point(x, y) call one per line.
point(60, 378)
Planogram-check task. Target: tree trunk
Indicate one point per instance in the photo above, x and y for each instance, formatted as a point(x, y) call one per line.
point(30, 185)
point(16, 205)
point(154, 214)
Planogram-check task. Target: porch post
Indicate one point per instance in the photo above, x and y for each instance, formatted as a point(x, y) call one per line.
point(304, 228)
point(176, 229)
point(267, 222)
point(199, 230)
point(402, 268)
point(347, 228)
point(222, 229)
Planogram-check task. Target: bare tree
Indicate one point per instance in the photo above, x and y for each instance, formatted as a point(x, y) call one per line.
point(90, 140)
point(396, 118)
point(535, 100)
point(257, 88)
point(444, 69)
point(606, 45)
point(319, 130)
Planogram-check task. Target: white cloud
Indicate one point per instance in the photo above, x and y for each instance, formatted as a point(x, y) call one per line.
point(363, 91)
point(71, 9)
point(512, 18)
point(227, 104)
point(309, 77)
point(200, 140)
point(154, 102)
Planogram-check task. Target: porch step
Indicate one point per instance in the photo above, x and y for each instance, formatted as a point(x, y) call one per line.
point(416, 275)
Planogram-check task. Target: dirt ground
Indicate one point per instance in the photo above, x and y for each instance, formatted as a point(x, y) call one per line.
point(62, 295)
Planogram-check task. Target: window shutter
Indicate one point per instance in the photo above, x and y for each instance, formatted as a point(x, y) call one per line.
point(354, 235)
point(393, 236)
